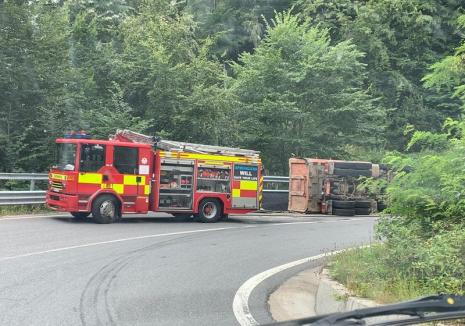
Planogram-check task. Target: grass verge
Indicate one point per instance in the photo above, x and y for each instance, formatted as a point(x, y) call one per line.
point(23, 209)
point(364, 273)
point(403, 268)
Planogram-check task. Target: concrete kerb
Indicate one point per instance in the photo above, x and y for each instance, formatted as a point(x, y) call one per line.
point(310, 293)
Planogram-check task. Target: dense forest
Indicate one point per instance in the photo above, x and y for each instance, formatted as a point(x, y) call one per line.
point(316, 78)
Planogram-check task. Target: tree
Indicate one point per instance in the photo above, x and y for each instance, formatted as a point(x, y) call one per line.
point(301, 95)
point(401, 38)
point(169, 76)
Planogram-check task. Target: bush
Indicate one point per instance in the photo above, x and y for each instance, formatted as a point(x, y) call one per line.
point(422, 242)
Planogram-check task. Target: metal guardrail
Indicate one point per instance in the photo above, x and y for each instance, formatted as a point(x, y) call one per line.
point(22, 197)
point(271, 183)
point(32, 177)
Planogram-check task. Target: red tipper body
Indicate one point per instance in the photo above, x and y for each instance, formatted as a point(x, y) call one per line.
point(170, 177)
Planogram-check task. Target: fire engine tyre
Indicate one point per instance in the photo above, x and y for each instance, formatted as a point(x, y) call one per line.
point(105, 209)
point(344, 204)
point(209, 211)
point(362, 211)
point(80, 215)
point(352, 165)
point(343, 212)
point(363, 204)
point(352, 173)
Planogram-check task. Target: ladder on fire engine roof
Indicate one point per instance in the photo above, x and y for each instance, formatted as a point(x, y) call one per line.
point(170, 145)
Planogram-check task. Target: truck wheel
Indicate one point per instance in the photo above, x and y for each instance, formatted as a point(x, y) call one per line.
point(362, 211)
point(353, 165)
point(80, 215)
point(105, 209)
point(344, 204)
point(343, 212)
point(363, 204)
point(352, 172)
point(381, 206)
point(209, 211)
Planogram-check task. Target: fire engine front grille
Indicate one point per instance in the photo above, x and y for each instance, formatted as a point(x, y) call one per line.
point(53, 197)
point(57, 185)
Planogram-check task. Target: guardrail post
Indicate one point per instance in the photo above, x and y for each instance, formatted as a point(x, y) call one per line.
point(32, 185)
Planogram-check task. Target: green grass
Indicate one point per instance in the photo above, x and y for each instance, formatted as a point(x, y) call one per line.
point(23, 210)
point(365, 274)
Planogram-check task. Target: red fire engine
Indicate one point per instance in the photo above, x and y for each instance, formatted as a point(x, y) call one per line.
point(134, 173)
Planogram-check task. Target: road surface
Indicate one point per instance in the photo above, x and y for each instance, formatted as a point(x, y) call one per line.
point(156, 270)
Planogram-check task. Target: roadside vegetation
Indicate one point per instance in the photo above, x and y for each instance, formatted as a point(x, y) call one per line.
point(311, 78)
point(23, 210)
point(421, 248)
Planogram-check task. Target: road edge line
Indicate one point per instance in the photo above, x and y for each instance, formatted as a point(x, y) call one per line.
point(241, 299)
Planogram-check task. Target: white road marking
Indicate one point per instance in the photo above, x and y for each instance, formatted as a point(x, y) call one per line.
point(241, 299)
point(113, 241)
point(35, 253)
point(25, 217)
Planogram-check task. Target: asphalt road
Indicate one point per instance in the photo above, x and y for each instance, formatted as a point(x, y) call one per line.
point(156, 270)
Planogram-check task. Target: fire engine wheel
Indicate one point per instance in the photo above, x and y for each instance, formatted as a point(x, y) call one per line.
point(80, 215)
point(209, 211)
point(105, 209)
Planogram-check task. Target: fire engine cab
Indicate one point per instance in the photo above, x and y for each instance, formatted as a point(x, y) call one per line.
point(135, 173)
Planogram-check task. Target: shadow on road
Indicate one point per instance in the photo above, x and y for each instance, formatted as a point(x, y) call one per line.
point(245, 219)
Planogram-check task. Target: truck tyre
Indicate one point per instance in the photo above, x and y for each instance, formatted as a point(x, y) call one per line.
point(80, 215)
point(209, 211)
point(344, 204)
point(362, 211)
point(363, 204)
point(105, 209)
point(343, 211)
point(352, 173)
point(381, 206)
point(352, 165)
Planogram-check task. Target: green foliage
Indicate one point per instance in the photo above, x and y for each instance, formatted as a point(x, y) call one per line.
point(117, 114)
point(337, 79)
point(401, 38)
point(404, 269)
point(303, 95)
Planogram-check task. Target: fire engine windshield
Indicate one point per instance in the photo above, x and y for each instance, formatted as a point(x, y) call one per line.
point(66, 156)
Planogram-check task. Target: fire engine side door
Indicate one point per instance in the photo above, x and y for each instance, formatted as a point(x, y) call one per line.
point(131, 178)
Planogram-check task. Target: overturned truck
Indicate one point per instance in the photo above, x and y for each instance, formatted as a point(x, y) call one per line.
point(330, 186)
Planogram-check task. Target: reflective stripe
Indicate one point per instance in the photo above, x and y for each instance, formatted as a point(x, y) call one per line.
point(118, 188)
point(58, 176)
point(146, 190)
point(248, 185)
point(94, 178)
point(131, 180)
point(236, 192)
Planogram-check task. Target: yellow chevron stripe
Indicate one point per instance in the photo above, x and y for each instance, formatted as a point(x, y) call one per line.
point(94, 178)
point(130, 180)
point(248, 185)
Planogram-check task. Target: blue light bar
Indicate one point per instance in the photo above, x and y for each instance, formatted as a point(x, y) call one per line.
point(77, 135)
